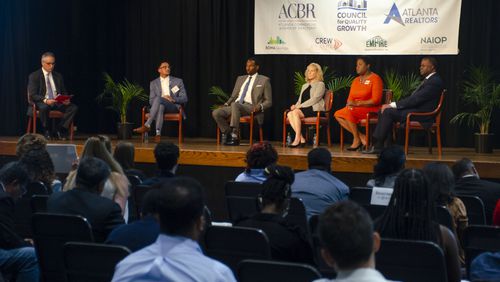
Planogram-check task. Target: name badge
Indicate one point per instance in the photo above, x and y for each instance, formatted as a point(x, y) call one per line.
point(367, 82)
point(175, 89)
point(381, 196)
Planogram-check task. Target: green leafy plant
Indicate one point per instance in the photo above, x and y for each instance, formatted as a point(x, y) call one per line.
point(332, 83)
point(338, 83)
point(120, 94)
point(481, 92)
point(401, 85)
point(220, 96)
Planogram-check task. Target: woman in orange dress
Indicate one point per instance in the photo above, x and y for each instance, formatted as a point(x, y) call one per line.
point(365, 96)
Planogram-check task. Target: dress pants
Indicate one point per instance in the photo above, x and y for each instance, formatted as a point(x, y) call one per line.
point(68, 110)
point(235, 110)
point(159, 107)
point(385, 124)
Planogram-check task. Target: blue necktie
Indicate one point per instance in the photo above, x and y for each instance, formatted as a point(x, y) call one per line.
point(50, 92)
point(245, 89)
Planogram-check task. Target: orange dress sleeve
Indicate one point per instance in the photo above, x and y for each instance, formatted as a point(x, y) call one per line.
point(377, 89)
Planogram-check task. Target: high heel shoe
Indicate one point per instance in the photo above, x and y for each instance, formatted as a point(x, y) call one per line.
point(355, 148)
point(301, 144)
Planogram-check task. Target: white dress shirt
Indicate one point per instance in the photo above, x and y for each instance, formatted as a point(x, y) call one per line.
point(165, 86)
point(248, 96)
point(48, 75)
point(393, 104)
point(357, 275)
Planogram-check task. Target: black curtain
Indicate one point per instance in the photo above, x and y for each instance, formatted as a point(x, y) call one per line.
point(207, 43)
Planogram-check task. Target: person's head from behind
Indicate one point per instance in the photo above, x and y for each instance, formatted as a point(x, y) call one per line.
point(28, 142)
point(40, 166)
point(464, 167)
point(180, 207)
point(149, 205)
point(276, 190)
point(441, 182)
point(411, 210)
point(391, 160)
point(107, 142)
point(91, 175)
point(349, 241)
point(166, 155)
point(319, 158)
point(260, 155)
point(96, 147)
point(124, 154)
point(14, 178)
point(252, 66)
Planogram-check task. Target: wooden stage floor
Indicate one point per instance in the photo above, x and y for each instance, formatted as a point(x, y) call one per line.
point(204, 152)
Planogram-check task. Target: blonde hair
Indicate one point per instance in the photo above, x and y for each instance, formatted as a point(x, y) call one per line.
point(95, 147)
point(319, 73)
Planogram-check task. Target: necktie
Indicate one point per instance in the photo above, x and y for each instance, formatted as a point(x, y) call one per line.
point(420, 86)
point(245, 89)
point(50, 92)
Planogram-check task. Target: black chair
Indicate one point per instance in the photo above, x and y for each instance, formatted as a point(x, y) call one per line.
point(408, 260)
point(242, 189)
point(313, 224)
point(360, 195)
point(39, 203)
point(241, 199)
point(444, 217)
point(475, 209)
point(138, 193)
point(297, 214)
point(478, 239)
point(323, 267)
point(134, 179)
point(231, 245)
point(92, 262)
point(271, 271)
point(22, 209)
point(50, 233)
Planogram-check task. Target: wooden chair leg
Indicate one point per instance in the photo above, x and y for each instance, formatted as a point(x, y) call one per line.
point(367, 133)
point(28, 127)
point(284, 131)
point(438, 137)
point(251, 132)
point(316, 142)
point(218, 135)
point(71, 130)
point(407, 139)
point(180, 131)
point(328, 135)
point(429, 141)
point(261, 134)
point(341, 138)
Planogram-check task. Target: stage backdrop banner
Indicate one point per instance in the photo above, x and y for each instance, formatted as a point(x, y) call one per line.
point(353, 27)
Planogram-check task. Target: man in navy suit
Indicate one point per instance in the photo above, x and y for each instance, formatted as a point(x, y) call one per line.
point(424, 99)
point(43, 87)
point(166, 95)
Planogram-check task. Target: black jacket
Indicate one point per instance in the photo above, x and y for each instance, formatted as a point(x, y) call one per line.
point(8, 236)
point(487, 191)
point(37, 85)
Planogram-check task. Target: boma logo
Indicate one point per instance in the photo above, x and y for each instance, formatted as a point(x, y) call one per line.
point(352, 5)
point(376, 42)
point(394, 15)
point(297, 11)
point(275, 41)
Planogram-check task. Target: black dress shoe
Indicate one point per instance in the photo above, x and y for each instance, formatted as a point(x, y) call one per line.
point(373, 150)
point(61, 136)
point(301, 144)
point(47, 135)
point(232, 141)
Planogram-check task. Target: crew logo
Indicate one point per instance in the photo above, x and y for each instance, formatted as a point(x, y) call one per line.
point(376, 42)
point(351, 15)
point(328, 43)
point(412, 15)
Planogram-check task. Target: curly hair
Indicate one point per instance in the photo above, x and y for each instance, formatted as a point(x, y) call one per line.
point(30, 141)
point(261, 155)
point(39, 166)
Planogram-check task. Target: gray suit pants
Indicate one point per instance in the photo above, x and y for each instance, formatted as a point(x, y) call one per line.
point(235, 111)
point(159, 107)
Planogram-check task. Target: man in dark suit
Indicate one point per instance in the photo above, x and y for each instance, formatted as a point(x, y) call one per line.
point(467, 182)
point(43, 87)
point(424, 99)
point(166, 156)
point(103, 214)
point(251, 93)
point(166, 95)
point(17, 256)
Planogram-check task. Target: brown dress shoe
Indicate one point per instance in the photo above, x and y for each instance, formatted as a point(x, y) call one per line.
point(157, 139)
point(141, 129)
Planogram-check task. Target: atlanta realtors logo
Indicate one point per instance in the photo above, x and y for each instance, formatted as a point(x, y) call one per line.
point(412, 15)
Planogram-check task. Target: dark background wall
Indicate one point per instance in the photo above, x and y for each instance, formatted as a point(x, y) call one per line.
point(207, 43)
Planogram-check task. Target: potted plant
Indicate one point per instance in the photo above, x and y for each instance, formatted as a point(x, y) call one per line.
point(121, 94)
point(401, 85)
point(220, 96)
point(482, 93)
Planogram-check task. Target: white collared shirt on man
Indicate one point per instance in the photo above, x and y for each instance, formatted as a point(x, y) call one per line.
point(248, 96)
point(165, 86)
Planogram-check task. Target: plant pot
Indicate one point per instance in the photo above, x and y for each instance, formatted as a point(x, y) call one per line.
point(124, 130)
point(483, 143)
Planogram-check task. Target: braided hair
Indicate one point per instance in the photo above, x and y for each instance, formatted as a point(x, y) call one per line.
point(411, 211)
point(277, 188)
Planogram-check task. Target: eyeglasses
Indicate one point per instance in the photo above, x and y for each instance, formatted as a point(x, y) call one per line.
point(49, 63)
point(164, 67)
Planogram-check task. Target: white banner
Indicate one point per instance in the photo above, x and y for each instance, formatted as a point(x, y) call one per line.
point(354, 27)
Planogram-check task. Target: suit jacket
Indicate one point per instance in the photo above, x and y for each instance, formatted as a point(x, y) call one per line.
point(136, 235)
point(317, 93)
point(487, 191)
point(261, 91)
point(180, 97)
point(8, 236)
point(103, 214)
point(37, 86)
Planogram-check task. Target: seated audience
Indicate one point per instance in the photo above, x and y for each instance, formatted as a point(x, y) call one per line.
point(41, 169)
point(140, 233)
point(85, 199)
point(259, 156)
point(485, 267)
point(411, 215)
point(176, 255)
point(117, 184)
point(467, 182)
point(17, 256)
point(349, 243)
point(317, 187)
point(124, 155)
point(390, 162)
point(166, 156)
point(30, 141)
point(288, 242)
point(442, 184)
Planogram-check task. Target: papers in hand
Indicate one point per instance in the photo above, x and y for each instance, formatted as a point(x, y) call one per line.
point(63, 98)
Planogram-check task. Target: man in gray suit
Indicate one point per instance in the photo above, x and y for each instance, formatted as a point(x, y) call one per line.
point(251, 93)
point(166, 94)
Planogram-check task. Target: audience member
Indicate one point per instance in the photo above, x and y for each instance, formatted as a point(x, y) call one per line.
point(41, 169)
point(30, 141)
point(467, 182)
point(124, 154)
point(176, 255)
point(140, 233)
point(411, 214)
point(349, 243)
point(17, 256)
point(85, 199)
point(317, 187)
point(485, 267)
point(390, 162)
point(259, 156)
point(166, 156)
point(442, 184)
point(288, 242)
